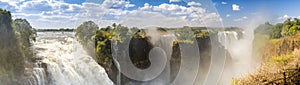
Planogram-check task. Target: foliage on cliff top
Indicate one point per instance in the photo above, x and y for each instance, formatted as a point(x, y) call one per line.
point(103, 39)
point(287, 28)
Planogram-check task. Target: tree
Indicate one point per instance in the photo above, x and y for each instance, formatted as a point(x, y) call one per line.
point(296, 21)
point(24, 31)
point(85, 33)
point(276, 30)
point(286, 27)
point(13, 52)
point(108, 28)
point(293, 30)
point(114, 25)
point(264, 28)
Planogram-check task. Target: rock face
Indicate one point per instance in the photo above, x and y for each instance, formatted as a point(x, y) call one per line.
point(280, 58)
point(7, 48)
point(140, 45)
point(14, 52)
point(139, 54)
point(11, 59)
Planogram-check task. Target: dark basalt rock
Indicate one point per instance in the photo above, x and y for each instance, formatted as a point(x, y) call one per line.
point(139, 50)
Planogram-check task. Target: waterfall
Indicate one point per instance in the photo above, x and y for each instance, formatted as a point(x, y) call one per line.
point(226, 38)
point(239, 55)
point(66, 63)
point(38, 76)
point(165, 42)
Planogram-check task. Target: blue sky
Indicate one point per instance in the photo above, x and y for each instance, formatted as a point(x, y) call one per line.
point(142, 13)
point(278, 10)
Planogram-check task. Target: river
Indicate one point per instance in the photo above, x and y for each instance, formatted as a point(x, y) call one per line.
point(61, 60)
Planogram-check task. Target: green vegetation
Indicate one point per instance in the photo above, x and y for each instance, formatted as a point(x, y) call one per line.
point(279, 47)
point(287, 28)
point(55, 30)
point(15, 36)
point(24, 33)
point(84, 34)
point(98, 42)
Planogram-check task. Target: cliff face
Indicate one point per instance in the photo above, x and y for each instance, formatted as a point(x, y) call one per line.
point(286, 45)
point(5, 20)
point(281, 62)
point(139, 53)
point(140, 45)
point(139, 49)
point(13, 52)
point(11, 59)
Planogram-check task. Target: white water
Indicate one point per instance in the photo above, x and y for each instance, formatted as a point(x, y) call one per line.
point(38, 77)
point(68, 64)
point(240, 51)
point(226, 38)
point(66, 61)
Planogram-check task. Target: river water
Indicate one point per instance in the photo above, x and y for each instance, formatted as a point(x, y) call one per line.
point(61, 60)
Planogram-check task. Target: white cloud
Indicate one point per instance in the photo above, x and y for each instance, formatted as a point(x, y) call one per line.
point(48, 21)
point(173, 9)
point(241, 19)
point(117, 4)
point(57, 14)
point(284, 17)
point(12, 2)
point(235, 7)
point(146, 6)
point(129, 5)
point(223, 2)
point(147, 19)
point(170, 8)
point(211, 19)
point(36, 6)
point(175, 15)
point(175, 1)
point(191, 15)
point(7, 6)
point(47, 13)
point(228, 15)
point(193, 3)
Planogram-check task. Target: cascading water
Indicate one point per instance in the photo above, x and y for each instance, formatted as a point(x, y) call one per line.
point(66, 63)
point(227, 37)
point(38, 76)
point(161, 42)
point(165, 42)
point(239, 55)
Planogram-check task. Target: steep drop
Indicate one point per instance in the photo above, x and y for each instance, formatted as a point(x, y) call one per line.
point(65, 61)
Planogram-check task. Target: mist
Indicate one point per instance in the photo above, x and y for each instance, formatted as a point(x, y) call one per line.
point(242, 58)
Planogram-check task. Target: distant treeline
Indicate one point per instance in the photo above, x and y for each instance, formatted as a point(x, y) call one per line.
point(56, 30)
point(287, 28)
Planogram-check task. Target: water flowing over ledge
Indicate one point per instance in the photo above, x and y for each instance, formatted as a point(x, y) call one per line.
point(66, 63)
